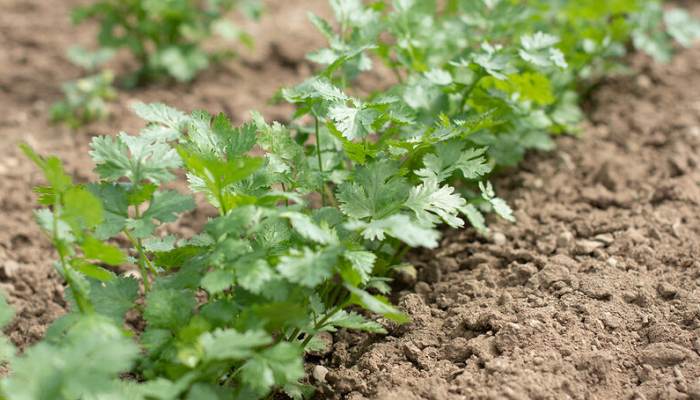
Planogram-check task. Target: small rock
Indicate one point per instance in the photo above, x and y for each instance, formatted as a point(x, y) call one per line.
point(605, 238)
point(667, 291)
point(610, 321)
point(612, 262)
point(663, 354)
point(644, 81)
point(552, 273)
point(9, 269)
point(565, 239)
point(319, 373)
point(587, 246)
point(414, 355)
point(499, 239)
point(406, 274)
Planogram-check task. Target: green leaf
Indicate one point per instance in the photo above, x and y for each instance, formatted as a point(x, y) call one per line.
point(429, 202)
point(450, 157)
point(362, 262)
point(82, 210)
point(376, 191)
point(254, 275)
point(353, 123)
point(92, 271)
point(307, 267)
point(229, 344)
point(499, 205)
point(166, 205)
point(105, 252)
point(682, 26)
point(115, 208)
point(158, 113)
point(114, 298)
point(217, 281)
point(137, 158)
point(305, 226)
point(169, 308)
point(355, 321)
point(376, 304)
point(86, 363)
point(52, 168)
point(399, 226)
point(276, 366)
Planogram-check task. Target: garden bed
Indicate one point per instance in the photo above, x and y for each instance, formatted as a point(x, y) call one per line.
point(595, 293)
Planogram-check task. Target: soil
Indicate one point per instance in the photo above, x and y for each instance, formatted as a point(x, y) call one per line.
point(593, 294)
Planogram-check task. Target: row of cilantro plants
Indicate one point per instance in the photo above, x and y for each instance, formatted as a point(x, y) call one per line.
point(315, 215)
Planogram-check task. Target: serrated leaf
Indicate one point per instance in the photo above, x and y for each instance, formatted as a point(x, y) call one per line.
point(399, 226)
point(169, 308)
point(376, 304)
point(307, 267)
point(229, 344)
point(355, 321)
point(278, 365)
point(429, 201)
point(114, 298)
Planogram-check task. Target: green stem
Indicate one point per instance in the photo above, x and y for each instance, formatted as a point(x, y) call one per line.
point(144, 263)
point(322, 322)
point(80, 300)
point(320, 161)
point(294, 335)
point(470, 89)
point(142, 260)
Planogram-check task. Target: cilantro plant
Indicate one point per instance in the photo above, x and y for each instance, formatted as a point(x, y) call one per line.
point(309, 220)
point(86, 99)
point(166, 36)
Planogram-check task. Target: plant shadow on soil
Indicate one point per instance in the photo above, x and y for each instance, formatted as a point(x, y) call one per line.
point(594, 294)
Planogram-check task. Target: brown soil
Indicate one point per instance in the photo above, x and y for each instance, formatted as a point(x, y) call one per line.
point(594, 294)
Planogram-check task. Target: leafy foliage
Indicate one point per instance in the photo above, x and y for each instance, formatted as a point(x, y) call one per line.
point(311, 219)
point(165, 36)
point(86, 99)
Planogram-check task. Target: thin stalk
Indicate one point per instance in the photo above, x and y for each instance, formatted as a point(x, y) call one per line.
point(320, 161)
point(470, 89)
point(83, 306)
point(144, 263)
point(222, 206)
point(143, 267)
point(294, 335)
point(322, 322)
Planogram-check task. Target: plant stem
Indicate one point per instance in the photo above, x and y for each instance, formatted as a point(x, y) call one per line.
point(470, 89)
point(144, 263)
point(294, 335)
point(82, 303)
point(320, 161)
point(322, 322)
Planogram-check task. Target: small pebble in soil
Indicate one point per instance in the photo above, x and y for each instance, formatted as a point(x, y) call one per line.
point(406, 274)
point(667, 291)
point(565, 239)
point(499, 239)
point(319, 373)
